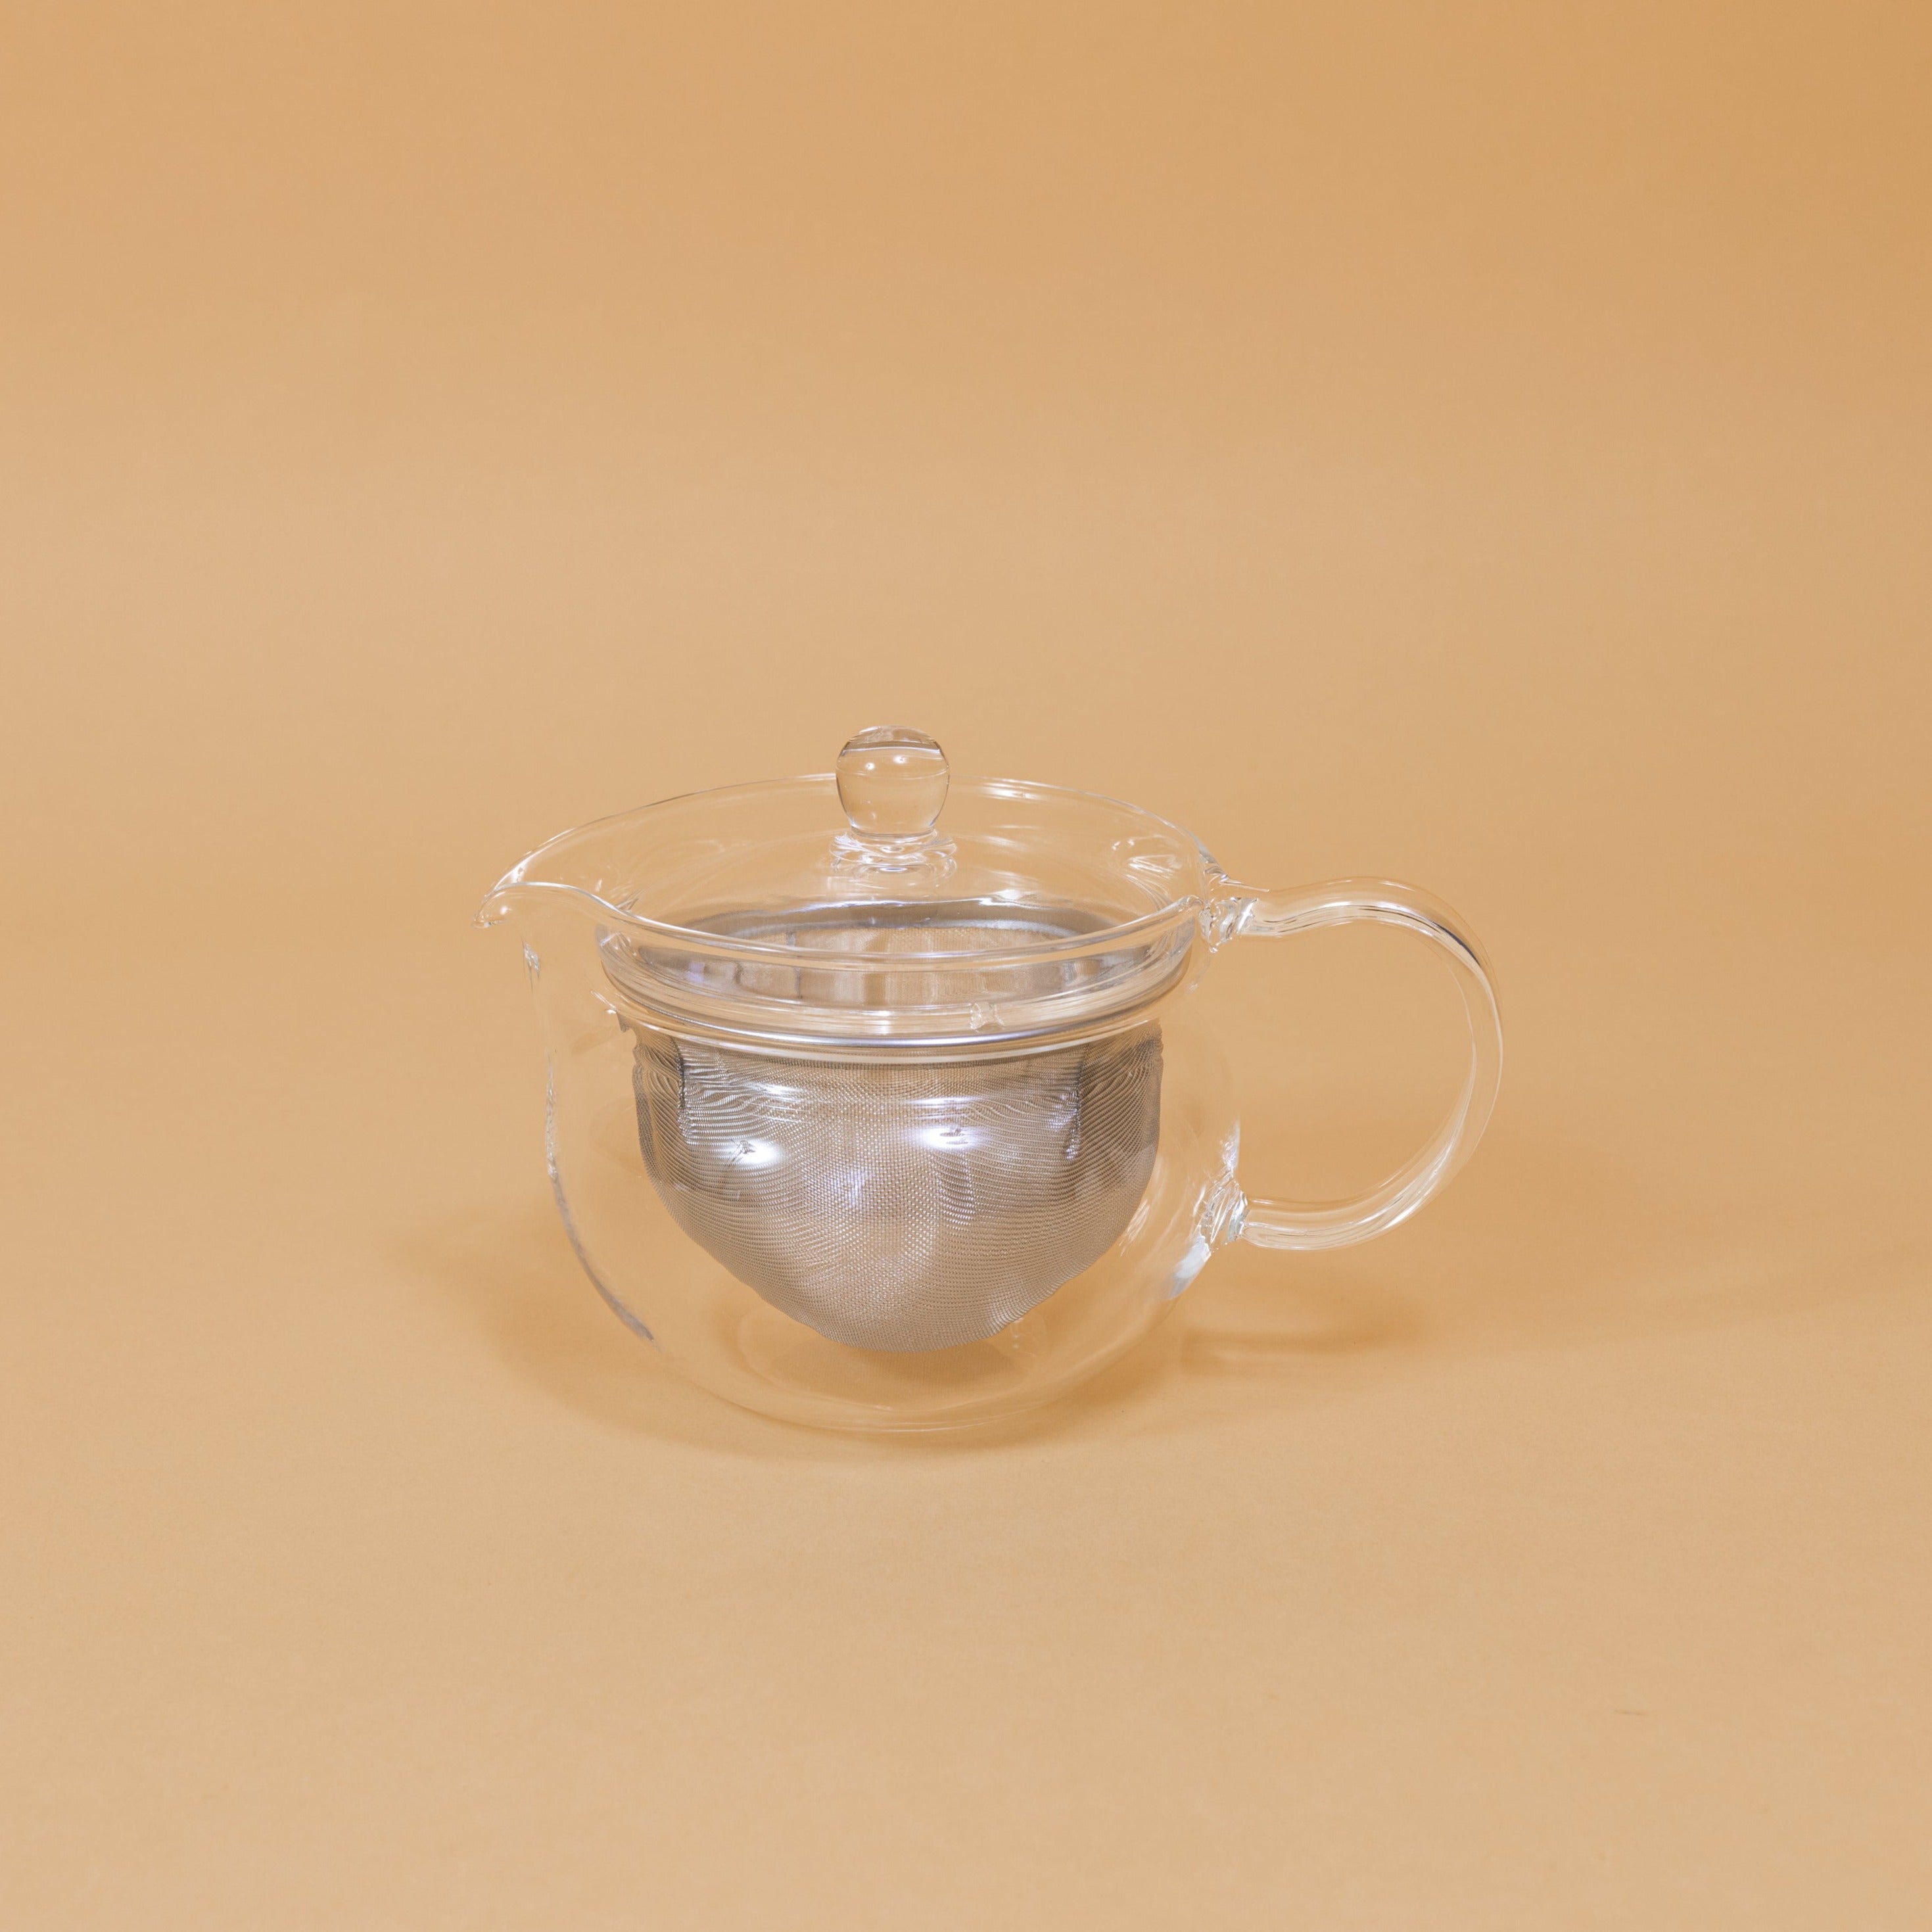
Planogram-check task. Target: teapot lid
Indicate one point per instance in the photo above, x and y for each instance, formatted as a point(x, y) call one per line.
point(885, 904)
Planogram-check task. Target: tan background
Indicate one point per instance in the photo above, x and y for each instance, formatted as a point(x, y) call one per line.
point(1489, 445)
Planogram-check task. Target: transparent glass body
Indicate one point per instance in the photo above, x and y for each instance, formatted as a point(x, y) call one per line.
point(878, 1118)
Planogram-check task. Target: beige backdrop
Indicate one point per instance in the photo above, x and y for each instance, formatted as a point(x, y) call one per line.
point(1490, 444)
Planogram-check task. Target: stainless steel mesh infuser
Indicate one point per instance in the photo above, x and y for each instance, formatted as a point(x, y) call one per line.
point(901, 1206)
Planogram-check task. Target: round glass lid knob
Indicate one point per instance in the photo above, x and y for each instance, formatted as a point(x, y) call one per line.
point(892, 782)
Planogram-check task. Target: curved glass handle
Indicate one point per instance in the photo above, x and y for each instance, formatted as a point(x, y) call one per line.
point(1240, 912)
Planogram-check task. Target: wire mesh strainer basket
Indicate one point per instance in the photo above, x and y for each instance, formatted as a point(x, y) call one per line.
point(901, 1206)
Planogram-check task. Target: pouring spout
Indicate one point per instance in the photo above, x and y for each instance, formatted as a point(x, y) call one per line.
point(560, 925)
point(514, 896)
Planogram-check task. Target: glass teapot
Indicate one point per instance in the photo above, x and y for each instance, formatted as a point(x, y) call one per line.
point(873, 1099)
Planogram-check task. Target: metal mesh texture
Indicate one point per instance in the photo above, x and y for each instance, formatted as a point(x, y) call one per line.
point(902, 1206)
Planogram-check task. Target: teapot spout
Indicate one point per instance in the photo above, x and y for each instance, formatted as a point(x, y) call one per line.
point(575, 873)
point(558, 926)
point(519, 897)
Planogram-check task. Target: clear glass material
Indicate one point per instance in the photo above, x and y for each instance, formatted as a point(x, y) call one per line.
point(874, 1098)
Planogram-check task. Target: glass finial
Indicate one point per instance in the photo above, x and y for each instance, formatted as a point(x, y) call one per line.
point(892, 782)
